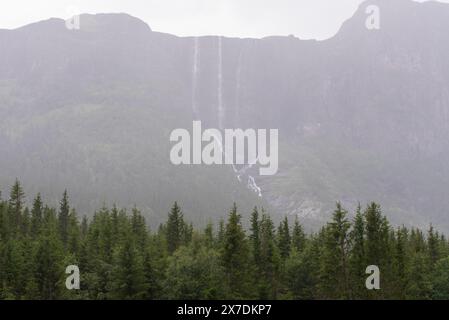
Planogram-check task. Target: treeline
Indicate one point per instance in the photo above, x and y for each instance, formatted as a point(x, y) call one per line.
point(119, 258)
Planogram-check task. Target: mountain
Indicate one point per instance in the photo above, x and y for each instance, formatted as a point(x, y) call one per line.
point(361, 116)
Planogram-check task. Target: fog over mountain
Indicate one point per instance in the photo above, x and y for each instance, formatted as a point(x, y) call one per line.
point(362, 116)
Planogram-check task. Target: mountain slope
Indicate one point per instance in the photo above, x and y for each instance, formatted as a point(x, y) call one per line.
point(362, 116)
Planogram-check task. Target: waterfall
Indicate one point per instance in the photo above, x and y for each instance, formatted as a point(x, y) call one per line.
point(238, 80)
point(242, 172)
point(220, 84)
point(195, 69)
point(253, 186)
point(245, 50)
point(239, 172)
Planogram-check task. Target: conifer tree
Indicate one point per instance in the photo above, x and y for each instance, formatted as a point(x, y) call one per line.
point(417, 241)
point(209, 240)
point(129, 275)
point(150, 274)
point(64, 211)
point(255, 236)
point(115, 223)
point(269, 260)
point(284, 239)
point(235, 253)
point(334, 264)
point(186, 233)
point(74, 234)
point(221, 233)
point(298, 237)
point(84, 227)
point(195, 273)
point(440, 280)
point(374, 244)
point(420, 285)
point(13, 272)
point(25, 227)
point(51, 223)
point(4, 221)
point(400, 263)
point(16, 204)
point(175, 225)
point(49, 270)
point(433, 244)
point(139, 229)
point(300, 276)
point(357, 259)
point(36, 216)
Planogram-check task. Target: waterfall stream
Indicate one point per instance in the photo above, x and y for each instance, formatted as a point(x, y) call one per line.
point(239, 172)
point(220, 85)
point(195, 69)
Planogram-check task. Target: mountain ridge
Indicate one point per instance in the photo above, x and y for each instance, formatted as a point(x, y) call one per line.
point(93, 111)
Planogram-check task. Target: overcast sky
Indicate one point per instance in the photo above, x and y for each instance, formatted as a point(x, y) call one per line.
point(317, 19)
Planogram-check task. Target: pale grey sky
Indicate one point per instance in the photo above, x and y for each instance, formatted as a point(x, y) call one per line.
point(318, 19)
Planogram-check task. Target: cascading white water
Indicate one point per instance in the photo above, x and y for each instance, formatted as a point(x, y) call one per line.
point(238, 77)
point(220, 85)
point(195, 70)
point(253, 186)
point(251, 182)
point(244, 51)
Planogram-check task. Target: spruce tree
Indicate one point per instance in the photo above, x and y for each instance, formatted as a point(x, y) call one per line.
point(175, 225)
point(4, 221)
point(139, 229)
point(433, 243)
point(25, 227)
point(64, 211)
point(209, 239)
point(49, 270)
point(379, 248)
point(269, 260)
point(235, 255)
point(129, 274)
point(284, 239)
point(357, 259)
point(298, 237)
point(375, 250)
point(221, 233)
point(334, 265)
point(301, 272)
point(186, 233)
point(150, 274)
point(36, 216)
point(13, 271)
point(74, 234)
point(440, 280)
point(255, 236)
point(16, 203)
point(195, 274)
point(419, 285)
point(400, 263)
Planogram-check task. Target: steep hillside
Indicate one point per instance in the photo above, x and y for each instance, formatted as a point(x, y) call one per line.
point(362, 116)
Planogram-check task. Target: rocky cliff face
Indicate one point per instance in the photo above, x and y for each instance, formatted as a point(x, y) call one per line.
point(362, 116)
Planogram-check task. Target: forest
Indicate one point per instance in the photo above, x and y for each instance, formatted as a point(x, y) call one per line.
point(120, 257)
